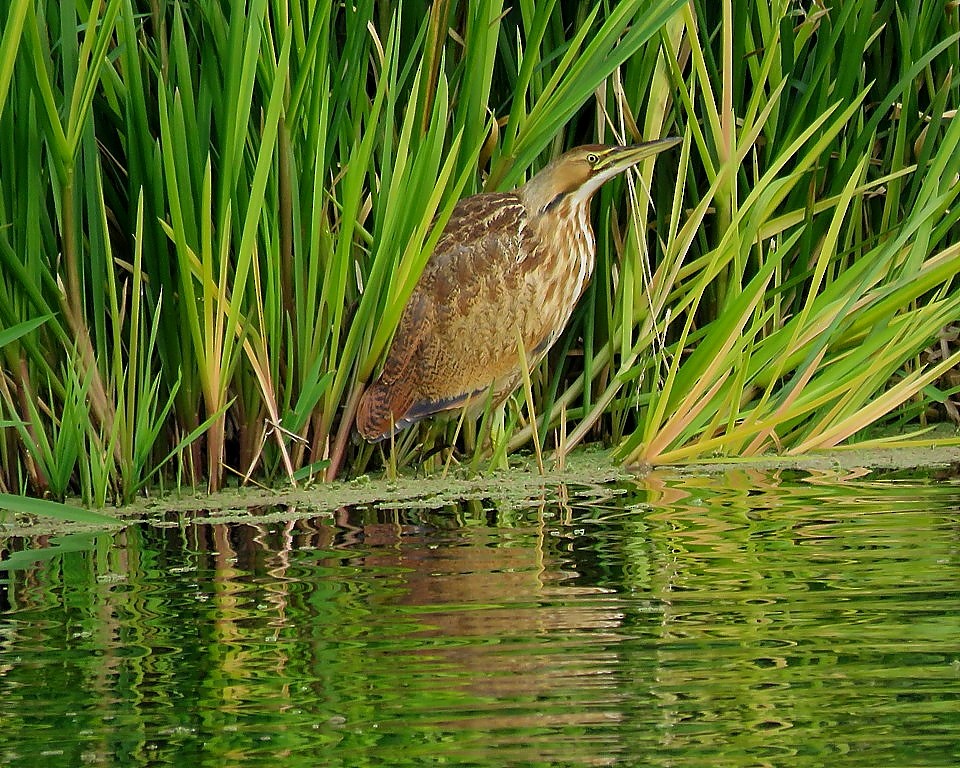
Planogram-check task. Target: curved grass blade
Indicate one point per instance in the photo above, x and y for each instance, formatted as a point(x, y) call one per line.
point(25, 505)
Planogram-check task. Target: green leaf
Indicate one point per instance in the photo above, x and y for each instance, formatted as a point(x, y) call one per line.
point(25, 505)
point(8, 335)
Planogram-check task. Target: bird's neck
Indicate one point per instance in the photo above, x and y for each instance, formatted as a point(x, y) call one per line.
point(566, 224)
point(566, 215)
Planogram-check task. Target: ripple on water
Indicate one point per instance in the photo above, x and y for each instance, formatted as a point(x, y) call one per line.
point(733, 620)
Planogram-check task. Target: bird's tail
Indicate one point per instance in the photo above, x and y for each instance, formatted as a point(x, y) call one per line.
point(381, 410)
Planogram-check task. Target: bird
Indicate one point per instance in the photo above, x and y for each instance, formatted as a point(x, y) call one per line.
point(507, 266)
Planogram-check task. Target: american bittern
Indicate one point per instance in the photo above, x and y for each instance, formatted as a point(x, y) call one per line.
point(506, 264)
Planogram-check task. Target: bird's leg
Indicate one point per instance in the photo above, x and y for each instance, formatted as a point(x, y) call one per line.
point(469, 431)
point(498, 439)
point(391, 458)
point(453, 443)
point(435, 442)
point(528, 394)
point(477, 437)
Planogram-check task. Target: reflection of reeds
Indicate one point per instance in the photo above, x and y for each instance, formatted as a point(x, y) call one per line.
point(210, 221)
point(737, 613)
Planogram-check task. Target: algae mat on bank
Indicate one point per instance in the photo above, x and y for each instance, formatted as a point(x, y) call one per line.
point(521, 486)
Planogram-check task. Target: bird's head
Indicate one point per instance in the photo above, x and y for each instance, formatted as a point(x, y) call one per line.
point(583, 170)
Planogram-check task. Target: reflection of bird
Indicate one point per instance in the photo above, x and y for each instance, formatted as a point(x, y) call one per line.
point(508, 266)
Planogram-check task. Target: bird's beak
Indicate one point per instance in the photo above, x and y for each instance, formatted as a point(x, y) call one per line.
point(615, 160)
point(618, 159)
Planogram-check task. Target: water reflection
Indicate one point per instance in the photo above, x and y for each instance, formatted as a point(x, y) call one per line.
point(523, 651)
point(737, 619)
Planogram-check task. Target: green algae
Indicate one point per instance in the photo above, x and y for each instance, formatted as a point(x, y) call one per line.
point(590, 472)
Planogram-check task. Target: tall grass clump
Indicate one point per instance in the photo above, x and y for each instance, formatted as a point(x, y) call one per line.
point(211, 214)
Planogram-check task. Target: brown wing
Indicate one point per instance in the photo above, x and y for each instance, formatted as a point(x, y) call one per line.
point(456, 333)
point(386, 400)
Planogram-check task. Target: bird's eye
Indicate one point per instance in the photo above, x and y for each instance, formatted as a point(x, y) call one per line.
point(593, 158)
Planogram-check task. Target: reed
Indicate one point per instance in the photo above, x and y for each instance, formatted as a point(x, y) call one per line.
point(212, 213)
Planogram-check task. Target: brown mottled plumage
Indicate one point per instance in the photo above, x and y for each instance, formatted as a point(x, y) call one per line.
point(505, 262)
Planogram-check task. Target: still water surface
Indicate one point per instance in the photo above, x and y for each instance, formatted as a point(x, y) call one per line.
point(741, 619)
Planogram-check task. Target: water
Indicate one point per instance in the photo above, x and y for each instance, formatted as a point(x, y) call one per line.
point(736, 620)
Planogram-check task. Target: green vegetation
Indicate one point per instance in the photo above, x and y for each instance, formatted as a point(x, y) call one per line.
point(211, 214)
